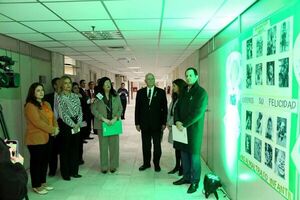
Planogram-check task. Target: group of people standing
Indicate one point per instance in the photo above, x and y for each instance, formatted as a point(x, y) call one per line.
point(59, 123)
point(187, 109)
point(56, 124)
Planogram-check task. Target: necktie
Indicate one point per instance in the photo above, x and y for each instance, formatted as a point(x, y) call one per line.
point(149, 94)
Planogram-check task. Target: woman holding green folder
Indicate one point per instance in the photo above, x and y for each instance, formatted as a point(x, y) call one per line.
point(107, 110)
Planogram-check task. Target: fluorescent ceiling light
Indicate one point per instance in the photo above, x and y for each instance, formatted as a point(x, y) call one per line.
point(134, 67)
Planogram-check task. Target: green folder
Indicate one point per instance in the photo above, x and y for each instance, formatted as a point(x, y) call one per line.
point(115, 129)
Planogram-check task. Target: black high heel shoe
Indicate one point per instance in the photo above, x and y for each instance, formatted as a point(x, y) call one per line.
point(173, 171)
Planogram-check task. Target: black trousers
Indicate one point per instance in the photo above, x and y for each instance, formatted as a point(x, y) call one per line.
point(147, 137)
point(53, 154)
point(69, 150)
point(38, 163)
point(124, 104)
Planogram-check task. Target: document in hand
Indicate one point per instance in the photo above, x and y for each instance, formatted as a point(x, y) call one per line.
point(179, 136)
point(115, 129)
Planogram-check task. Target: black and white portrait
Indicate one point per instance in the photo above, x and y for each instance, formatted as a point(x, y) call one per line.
point(271, 42)
point(268, 155)
point(279, 167)
point(259, 46)
point(249, 49)
point(248, 120)
point(283, 77)
point(284, 36)
point(248, 144)
point(269, 128)
point(249, 76)
point(281, 131)
point(258, 74)
point(257, 149)
point(270, 73)
point(258, 126)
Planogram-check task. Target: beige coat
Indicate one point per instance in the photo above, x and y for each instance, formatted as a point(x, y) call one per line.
point(99, 110)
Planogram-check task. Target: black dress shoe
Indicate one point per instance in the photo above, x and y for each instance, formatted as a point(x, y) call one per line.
point(157, 168)
point(193, 188)
point(113, 171)
point(104, 171)
point(84, 141)
point(77, 176)
point(143, 167)
point(67, 178)
point(89, 138)
point(181, 182)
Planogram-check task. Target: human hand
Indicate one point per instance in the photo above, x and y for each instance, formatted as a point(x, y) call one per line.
point(179, 125)
point(163, 127)
point(106, 120)
point(138, 128)
point(56, 131)
point(17, 158)
point(113, 121)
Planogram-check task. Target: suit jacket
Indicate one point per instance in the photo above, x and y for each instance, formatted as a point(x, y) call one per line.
point(190, 110)
point(99, 110)
point(50, 99)
point(151, 117)
point(38, 126)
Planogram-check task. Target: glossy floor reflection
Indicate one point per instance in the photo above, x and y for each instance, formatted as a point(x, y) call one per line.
point(128, 183)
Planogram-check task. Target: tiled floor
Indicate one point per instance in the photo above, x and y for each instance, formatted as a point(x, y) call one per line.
point(128, 183)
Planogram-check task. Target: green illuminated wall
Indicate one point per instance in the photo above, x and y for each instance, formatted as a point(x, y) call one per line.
point(223, 147)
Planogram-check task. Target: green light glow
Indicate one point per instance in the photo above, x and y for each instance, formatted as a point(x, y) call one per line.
point(232, 119)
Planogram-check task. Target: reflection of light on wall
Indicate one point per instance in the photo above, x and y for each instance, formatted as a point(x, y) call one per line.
point(246, 177)
point(232, 118)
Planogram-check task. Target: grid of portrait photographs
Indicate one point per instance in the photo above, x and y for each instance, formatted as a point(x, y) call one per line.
point(265, 140)
point(266, 59)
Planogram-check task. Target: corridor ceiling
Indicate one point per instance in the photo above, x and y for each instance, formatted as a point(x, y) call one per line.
point(130, 37)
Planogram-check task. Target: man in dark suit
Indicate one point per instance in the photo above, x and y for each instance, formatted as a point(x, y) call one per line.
point(150, 119)
point(53, 140)
point(189, 114)
point(90, 117)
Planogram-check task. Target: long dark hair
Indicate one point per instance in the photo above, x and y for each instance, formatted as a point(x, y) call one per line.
point(100, 85)
point(31, 95)
point(181, 84)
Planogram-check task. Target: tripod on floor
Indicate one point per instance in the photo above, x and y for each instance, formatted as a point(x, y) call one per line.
point(5, 132)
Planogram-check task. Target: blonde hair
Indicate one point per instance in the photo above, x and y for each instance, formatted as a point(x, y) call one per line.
point(61, 83)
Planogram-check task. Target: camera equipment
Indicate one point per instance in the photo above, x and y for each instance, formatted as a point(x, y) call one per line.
point(7, 77)
point(211, 183)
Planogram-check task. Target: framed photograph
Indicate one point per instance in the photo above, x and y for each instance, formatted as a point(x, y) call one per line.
point(270, 79)
point(279, 167)
point(271, 41)
point(268, 155)
point(258, 74)
point(283, 76)
point(281, 131)
point(249, 76)
point(248, 144)
point(257, 149)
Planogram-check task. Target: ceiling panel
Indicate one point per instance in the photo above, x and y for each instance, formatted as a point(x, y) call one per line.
point(87, 49)
point(48, 44)
point(191, 9)
point(182, 41)
point(140, 25)
point(79, 10)
point(133, 9)
point(14, 27)
point(50, 26)
point(110, 42)
point(81, 57)
point(27, 11)
point(16, 1)
point(148, 42)
point(178, 24)
point(67, 36)
point(4, 19)
point(78, 43)
point(100, 25)
point(140, 34)
point(179, 34)
point(29, 37)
